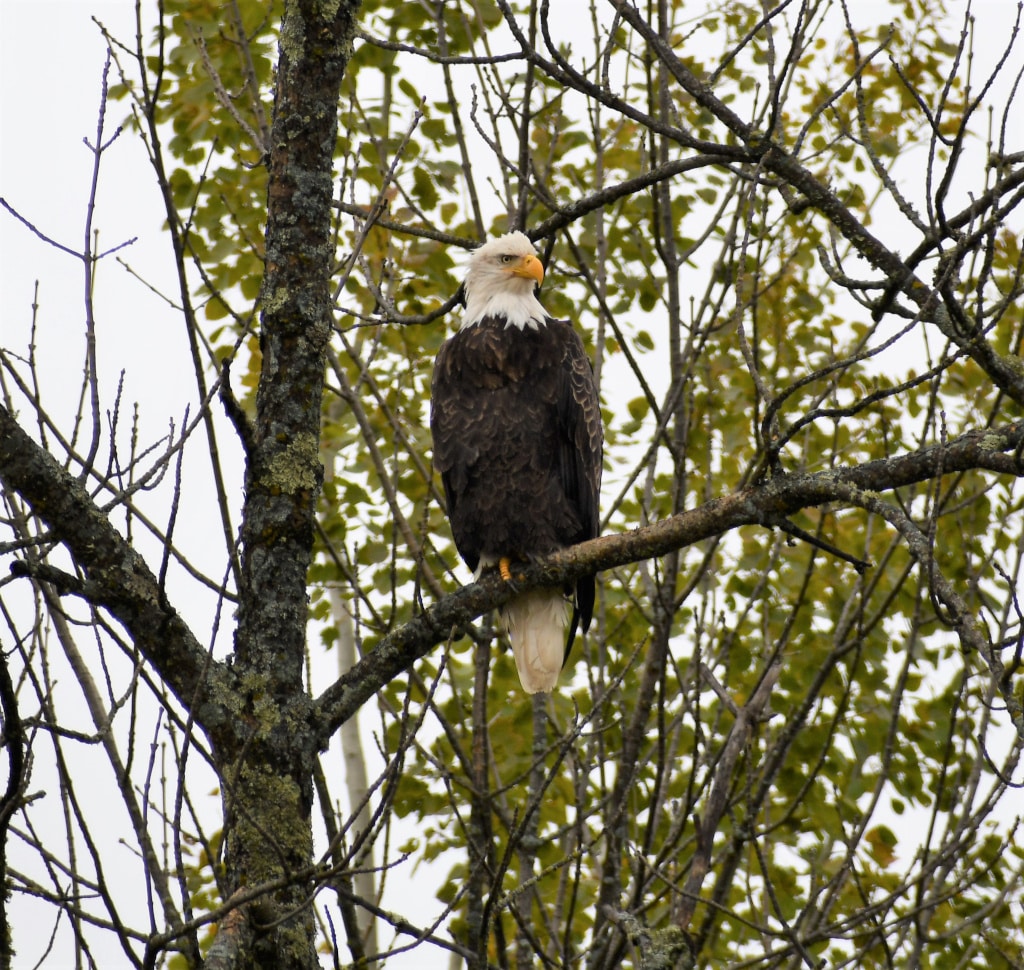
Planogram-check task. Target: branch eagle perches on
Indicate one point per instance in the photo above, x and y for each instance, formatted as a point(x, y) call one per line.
point(122, 584)
point(996, 450)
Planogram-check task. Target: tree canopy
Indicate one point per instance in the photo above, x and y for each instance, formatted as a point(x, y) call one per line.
point(790, 237)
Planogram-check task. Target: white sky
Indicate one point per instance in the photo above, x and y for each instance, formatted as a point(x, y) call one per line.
point(51, 62)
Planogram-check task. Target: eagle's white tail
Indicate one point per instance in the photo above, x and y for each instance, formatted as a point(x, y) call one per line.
point(536, 624)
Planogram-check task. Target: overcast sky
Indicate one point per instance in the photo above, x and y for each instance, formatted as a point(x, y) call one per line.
point(51, 66)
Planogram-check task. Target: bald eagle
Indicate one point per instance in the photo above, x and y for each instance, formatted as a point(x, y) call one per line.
point(516, 424)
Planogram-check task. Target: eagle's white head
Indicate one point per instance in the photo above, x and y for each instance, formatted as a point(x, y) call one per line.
point(502, 277)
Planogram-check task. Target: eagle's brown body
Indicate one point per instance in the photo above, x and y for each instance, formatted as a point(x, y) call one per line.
point(517, 438)
point(516, 423)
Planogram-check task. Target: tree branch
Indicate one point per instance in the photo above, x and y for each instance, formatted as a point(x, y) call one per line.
point(995, 450)
point(118, 579)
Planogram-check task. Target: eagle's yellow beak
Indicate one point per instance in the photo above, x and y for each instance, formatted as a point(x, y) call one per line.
point(530, 268)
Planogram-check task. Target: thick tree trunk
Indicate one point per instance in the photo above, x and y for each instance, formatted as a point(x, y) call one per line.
point(267, 759)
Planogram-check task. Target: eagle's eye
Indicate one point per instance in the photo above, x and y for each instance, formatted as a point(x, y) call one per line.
point(506, 258)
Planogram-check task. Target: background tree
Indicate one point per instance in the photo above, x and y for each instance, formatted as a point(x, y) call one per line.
point(791, 240)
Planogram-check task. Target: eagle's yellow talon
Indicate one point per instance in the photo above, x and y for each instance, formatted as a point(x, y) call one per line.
point(504, 567)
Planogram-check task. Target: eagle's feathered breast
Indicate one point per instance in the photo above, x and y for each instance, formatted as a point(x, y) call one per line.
point(514, 420)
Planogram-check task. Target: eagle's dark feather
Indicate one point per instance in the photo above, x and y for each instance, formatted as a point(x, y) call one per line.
point(517, 434)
